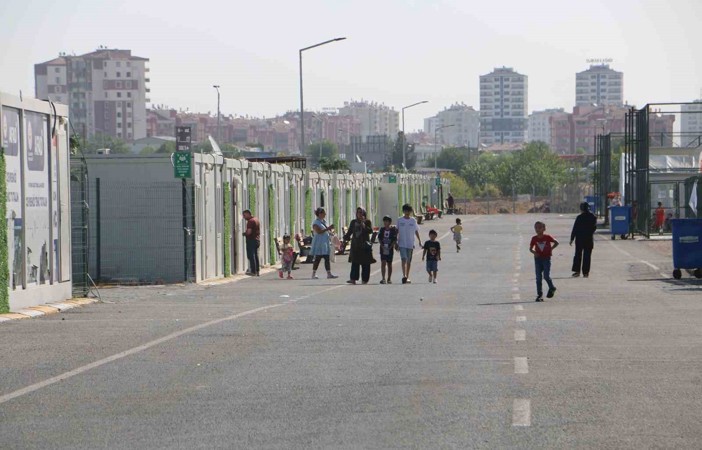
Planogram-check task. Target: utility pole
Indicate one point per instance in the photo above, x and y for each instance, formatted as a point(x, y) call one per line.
point(219, 132)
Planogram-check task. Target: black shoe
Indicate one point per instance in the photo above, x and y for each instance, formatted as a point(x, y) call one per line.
point(539, 298)
point(586, 275)
point(550, 293)
point(575, 274)
point(404, 280)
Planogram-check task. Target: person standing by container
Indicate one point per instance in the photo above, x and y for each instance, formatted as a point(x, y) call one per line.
point(583, 234)
point(321, 247)
point(361, 254)
point(253, 242)
point(660, 218)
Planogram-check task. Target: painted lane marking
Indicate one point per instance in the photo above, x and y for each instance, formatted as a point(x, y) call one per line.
point(521, 365)
point(518, 307)
point(520, 335)
point(521, 319)
point(521, 412)
point(665, 275)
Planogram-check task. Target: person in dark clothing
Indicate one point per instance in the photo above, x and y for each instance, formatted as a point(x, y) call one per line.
point(253, 242)
point(361, 254)
point(583, 235)
point(451, 203)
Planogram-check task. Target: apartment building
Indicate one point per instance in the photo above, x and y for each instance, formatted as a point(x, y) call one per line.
point(691, 120)
point(106, 91)
point(503, 107)
point(465, 129)
point(599, 85)
point(540, 124)
point(374, 118)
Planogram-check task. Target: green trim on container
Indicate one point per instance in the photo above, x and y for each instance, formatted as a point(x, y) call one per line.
point(349, 209)
point(369, 208)
point(4, 262)
point(271, 225)
point(252, 199)
point(336, 206)
point(376, 196)
point(308, 212)
point(227, 238)
point(293, 212)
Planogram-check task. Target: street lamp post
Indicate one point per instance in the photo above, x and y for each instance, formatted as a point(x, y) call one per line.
point(219, 132)
point(404, 138)
point(302, 103)
point(436, 154)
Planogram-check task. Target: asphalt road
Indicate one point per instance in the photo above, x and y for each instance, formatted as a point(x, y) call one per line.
point(613, 361)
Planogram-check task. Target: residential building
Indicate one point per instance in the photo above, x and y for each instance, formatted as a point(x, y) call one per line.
point(691, 120)
point(503, 107)
point(374, 118)
point(375, 151)
point(106, 91)
point(599, 85)
point(540, 124)
point(575, 132)
point(465, 131)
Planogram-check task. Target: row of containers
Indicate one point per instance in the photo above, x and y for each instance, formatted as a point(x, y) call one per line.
point(145, 226)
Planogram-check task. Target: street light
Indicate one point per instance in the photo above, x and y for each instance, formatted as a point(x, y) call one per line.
point(436, 155)
point(302, 104)
point(404, 138)
point(219, 137)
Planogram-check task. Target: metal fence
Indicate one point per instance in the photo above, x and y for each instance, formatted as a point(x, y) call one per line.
point(79, 227)
point(141, 232)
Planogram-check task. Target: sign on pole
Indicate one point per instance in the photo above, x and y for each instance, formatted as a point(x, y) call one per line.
point(184, 139)
point(392, 178)
point(438, 181)
point(182, 165)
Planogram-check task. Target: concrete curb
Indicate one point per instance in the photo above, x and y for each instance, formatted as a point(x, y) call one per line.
point(43, 310)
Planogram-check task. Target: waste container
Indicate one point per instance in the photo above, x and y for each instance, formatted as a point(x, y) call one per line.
point(620, 217)
point(594, 203)
point(687, 247)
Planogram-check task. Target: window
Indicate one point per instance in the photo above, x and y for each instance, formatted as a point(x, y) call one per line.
point(107, 95)
point(104, 64)
point(129, 115)
point(119, 75)
point(129, 74)
point(129, 104)
point(119, 95)
point(129, 94)
point(118, 84)
point(129, 124)
point(119, 124)
point(57, 70)
point(119, 114)
point(57, 89)
point(128, 84)
point(129, 135)
point(119, 135)
point(118, 64)
point(129, 63)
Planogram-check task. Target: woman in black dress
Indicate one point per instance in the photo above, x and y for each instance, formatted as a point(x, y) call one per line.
point(361, 254)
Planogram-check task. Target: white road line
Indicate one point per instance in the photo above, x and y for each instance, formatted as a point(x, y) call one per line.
point(520, 318)
point(71, 373)
point(521, 365)
point(521, 412)
point(520, 335)
point(652, 266)
point(518, 307)
point(516, 297)
point(664, 275)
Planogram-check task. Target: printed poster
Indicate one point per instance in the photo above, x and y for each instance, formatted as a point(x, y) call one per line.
point(37, 212)
point(13, 177)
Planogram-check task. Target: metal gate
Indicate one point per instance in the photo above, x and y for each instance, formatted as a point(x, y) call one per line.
point(79, 227)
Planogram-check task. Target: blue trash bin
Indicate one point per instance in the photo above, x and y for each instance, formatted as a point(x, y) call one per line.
point(594, 203)
point(687, 246)
point(619, 219)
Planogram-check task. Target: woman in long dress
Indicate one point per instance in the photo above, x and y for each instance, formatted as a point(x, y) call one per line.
point(361, 255)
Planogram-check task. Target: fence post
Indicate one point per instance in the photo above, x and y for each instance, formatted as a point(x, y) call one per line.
point(98, 236)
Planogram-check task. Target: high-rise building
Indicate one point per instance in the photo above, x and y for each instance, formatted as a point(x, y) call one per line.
point(540, 124)
point(106, 91)
point(375, 119)
point(466, 129)
point(691, 119)
point(599, 85)
point(503, 107)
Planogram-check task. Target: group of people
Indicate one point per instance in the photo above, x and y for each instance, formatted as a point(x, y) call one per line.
point(542, 246)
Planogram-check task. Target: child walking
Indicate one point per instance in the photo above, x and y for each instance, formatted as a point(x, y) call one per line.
point(287, 255)
point(432, 252)
point(457, 231)
point(388, 242)
point(541, 247)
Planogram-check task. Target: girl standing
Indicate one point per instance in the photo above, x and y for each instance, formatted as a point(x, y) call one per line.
point(321, 248)
point(361, 255)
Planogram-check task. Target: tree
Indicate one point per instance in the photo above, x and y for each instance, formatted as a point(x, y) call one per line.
point(167, 147)
point(459, 187)
point(103, 141)
point(148, 150)
point(453, 158)
point(328, 150)
point(410, 156)
point(333, 163)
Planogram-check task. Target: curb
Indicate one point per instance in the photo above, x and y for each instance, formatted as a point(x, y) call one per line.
point(44, 310)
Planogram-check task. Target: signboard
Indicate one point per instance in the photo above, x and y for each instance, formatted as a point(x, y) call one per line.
point(184, 139)
point(13, 176)
point(182, 165)
point(36, 199)
point(392, 178)
point(437, 181)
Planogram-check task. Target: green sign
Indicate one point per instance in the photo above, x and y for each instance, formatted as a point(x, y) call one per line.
point(438, 181)
point(182, 165)
point(392, 178)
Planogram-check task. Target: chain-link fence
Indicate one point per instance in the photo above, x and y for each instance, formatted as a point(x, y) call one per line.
point(79, 227)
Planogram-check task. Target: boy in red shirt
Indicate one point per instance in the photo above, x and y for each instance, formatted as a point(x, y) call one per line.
point(541, 247)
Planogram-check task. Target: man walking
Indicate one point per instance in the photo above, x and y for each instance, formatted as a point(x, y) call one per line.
point(253, 242)
point(407, 230)
point(583, 235)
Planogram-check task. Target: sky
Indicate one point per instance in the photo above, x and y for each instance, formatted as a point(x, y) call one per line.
point(396, 52)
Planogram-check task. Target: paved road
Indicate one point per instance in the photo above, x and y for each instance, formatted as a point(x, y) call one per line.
point(613, 361)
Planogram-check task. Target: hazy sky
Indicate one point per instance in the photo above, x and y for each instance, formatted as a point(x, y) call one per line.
point(397, 52)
